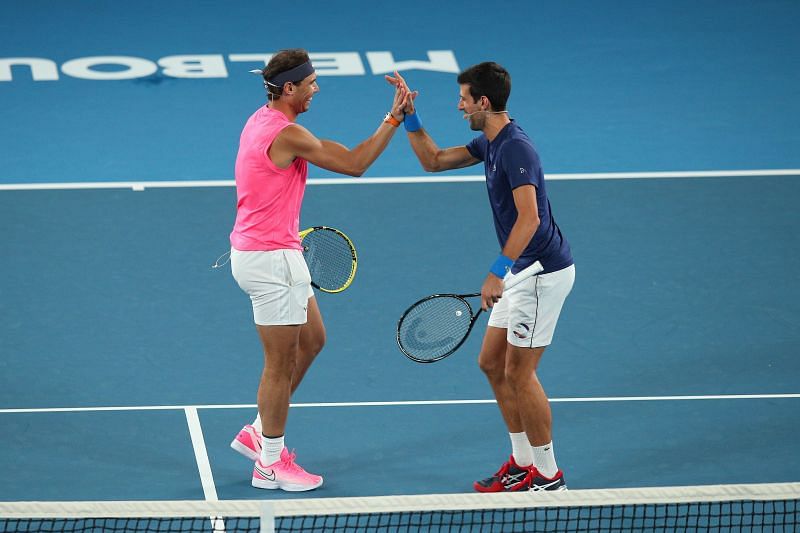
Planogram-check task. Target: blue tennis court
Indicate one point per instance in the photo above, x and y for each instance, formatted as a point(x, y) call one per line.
point(670, 135)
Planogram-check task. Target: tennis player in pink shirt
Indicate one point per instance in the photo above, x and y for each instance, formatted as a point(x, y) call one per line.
point(266, 255)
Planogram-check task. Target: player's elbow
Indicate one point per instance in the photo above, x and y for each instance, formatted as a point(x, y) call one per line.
point(354, 169)
point(431, 165)
point(357, 172)
point(529, 221)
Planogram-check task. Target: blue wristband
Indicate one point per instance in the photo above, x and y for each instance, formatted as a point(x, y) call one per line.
point(501, 266)
point(412, 122)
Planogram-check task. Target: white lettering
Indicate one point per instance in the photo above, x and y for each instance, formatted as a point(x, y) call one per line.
point(438, 60)
point(255, 58)
point(325, 64)
point(135, 67)
point(200, 66)
point(338, 64)
point(105, 68)
point(41, 69)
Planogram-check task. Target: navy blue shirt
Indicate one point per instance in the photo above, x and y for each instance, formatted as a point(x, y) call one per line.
point(511, 161)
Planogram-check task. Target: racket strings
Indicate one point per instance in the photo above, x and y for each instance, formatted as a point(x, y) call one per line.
point(329, 258)
point(435, 327)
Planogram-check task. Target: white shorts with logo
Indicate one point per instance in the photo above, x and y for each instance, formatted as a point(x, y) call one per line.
point(278, 283)
point(529, 311)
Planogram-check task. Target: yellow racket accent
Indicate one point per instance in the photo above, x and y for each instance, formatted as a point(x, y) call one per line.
point(331, 258)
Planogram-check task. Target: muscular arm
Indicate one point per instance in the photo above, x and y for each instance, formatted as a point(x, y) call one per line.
point(521, 234)
point(297, 141)
point(434, 159)
point(526, 224)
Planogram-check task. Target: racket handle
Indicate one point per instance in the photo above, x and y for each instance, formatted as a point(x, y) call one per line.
point(512, 279)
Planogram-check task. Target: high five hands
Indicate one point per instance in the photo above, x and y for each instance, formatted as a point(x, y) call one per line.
point(407, 96)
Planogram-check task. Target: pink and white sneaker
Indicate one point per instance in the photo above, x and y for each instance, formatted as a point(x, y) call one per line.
point(284, 474)
point(248, 443)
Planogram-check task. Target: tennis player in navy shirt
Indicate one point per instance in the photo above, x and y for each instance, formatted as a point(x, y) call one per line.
point(523, 320)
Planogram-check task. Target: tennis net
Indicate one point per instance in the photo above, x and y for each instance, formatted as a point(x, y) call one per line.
point(755, 507)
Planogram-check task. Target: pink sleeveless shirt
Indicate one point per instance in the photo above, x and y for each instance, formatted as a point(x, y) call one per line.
point(268, 197)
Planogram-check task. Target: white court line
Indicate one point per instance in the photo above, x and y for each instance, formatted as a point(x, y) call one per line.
point(142, 185)
point(203, 465)
point(200, 453)
point(402, 403)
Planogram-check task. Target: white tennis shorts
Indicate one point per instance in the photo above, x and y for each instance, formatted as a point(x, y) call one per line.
point(278, 283)
point(529, 311)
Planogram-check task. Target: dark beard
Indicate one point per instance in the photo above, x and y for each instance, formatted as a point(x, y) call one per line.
point(477, 124)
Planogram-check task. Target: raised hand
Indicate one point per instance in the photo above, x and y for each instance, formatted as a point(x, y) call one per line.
point(398, 81)
point(399, 102)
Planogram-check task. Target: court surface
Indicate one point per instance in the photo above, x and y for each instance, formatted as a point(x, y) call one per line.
point(669, 134)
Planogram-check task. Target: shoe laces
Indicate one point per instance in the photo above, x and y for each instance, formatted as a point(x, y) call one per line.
point(289, 463)
point(503, 472)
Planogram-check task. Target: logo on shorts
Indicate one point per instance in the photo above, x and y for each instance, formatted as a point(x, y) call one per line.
point(521, 331)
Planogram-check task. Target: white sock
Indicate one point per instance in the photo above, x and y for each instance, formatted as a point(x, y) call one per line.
point(257, 423)
point(521, 449)
point(545, 459)
point(271, 449)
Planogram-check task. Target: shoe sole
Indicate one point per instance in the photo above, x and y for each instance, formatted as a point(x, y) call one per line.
point(245, 450)
point(485, 490)
point(290, 487)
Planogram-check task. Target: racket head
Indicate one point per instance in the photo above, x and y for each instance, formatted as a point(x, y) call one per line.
point(435, 327)
point(331, 258)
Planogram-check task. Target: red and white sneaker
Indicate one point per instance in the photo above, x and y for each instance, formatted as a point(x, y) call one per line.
point(537, 482)
point(510, 478)
point(284, 474)
point(248, 443)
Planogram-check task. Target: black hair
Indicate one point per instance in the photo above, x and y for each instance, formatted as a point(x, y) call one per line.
point(281, 62)
point(490, 80)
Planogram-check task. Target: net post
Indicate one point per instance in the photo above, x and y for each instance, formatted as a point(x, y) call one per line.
point(266, 514)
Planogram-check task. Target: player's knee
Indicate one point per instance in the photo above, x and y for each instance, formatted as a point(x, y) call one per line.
point(518, 372)
point(280, 367)
point(279, 378)
point(316, 343)
point(491, 367)
point(285, 366)
point(320, 343)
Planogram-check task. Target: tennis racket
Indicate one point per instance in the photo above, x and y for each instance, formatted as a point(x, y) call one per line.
point(329, 254)
point(331, 258)
point(436, 326)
